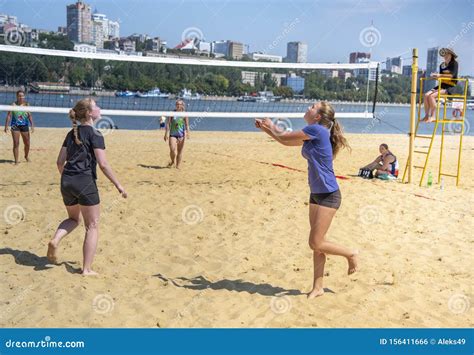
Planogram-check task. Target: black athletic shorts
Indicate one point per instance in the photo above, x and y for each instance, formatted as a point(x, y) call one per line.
point(79, 189)
point(449, 89)
point(330, 199)
point(20, 128)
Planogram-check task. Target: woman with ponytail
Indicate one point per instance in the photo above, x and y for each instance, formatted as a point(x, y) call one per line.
point(82, 149)
point(321, 140)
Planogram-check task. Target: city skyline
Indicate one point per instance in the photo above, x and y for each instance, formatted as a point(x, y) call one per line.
point(278, 23)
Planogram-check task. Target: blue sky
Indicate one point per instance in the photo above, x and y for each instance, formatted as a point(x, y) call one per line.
point(330, 28)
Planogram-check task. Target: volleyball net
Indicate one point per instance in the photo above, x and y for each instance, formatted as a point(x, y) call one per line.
point(132, 85)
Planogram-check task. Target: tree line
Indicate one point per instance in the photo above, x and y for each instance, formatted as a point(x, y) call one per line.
point(23, 69)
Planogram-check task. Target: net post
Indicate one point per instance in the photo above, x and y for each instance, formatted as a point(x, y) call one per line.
point(414, 81)
point(376, 89)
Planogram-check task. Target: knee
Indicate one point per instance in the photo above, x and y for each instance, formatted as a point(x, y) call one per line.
point(91, 225)
point(16, 145)
point(314, 246)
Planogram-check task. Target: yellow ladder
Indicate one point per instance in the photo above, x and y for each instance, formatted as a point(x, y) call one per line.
point(443, 120)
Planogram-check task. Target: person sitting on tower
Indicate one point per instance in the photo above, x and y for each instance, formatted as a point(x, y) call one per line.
point(447, 70)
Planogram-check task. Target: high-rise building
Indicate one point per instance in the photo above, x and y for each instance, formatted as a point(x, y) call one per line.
point(433, 60)
point(7, 23)
point(114, 29)
point(103, 21)
point(228, 48)
point(220, 47)
point(62, 30)
point(295, 82)
point(296, 52)
point(394, 65)
point(250, 77)
point(7, 19)
point(98, 35)
point(236, 50)
point(110, 29)
point(79, 22)
point(355, 56)
point(372, 74)
point(278, 78)
point(204, 46)
point(406, 70)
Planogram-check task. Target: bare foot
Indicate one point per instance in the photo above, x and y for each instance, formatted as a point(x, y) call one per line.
point(28, 159)
point(353, 262)
point(88, 273)
point(315, 293)
point(424, 119)
point(178, 167)
point(16, 163)
point(430, 120)
point(52, 250)
point(170, 164)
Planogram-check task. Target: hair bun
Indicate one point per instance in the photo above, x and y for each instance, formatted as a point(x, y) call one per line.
point(72, 114)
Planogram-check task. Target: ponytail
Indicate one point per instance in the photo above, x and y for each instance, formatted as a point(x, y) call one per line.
point(81, 113)
point(338, 141)
point(72, 116)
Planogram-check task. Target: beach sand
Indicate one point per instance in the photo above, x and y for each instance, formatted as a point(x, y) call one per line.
point(223, 242)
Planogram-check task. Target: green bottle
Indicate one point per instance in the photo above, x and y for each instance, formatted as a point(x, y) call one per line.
point(430, 179)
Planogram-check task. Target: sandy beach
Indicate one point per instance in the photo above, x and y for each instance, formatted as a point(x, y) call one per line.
point(223, 241)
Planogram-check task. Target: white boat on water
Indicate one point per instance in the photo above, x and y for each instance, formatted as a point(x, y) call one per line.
point(262, 97)
point(247, 98)
point(153, 93)
point(186, 94)
point(269, 96)
point(125, 93)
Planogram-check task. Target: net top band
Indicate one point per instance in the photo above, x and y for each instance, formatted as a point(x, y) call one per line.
point(188, 61)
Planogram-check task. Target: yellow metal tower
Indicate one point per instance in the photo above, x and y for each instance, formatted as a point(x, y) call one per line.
point(445, 100)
